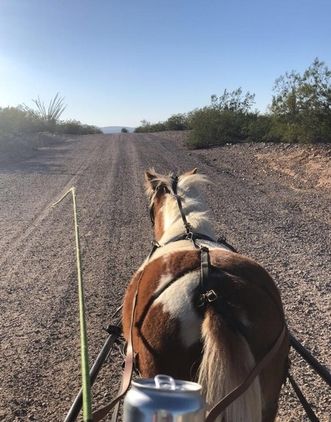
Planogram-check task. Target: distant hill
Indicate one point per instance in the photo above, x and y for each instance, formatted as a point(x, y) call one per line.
point(116, 129)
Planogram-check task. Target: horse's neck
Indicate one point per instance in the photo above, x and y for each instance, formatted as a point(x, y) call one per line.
point(174, 225)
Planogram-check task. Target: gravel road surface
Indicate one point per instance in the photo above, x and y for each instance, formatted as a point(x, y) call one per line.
point(275, 214)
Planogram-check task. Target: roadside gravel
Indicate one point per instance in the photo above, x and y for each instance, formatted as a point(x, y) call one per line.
point(273, 208)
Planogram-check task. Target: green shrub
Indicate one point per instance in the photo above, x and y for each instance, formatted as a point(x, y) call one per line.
point(207, 125)
point(301, 106)
point(227, 119)
point(16, 120)
point(177, 122)
point(74, 127)
point(148, 127)
point(259, 127)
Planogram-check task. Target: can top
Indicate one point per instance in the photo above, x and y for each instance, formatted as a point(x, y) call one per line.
point(167, 383)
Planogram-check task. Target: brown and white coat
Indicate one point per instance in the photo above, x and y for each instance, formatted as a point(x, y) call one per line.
point(173, 336)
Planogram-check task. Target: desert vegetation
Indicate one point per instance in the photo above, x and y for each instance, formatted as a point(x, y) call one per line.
point(24, 119)
point(300, 112)
point(25, 128)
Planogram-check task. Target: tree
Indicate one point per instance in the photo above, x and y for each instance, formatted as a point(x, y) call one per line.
point(301, 105)
point(177, 122)
point(309, 92)
point(234, 101)
point(124, 130)
point(286, 88)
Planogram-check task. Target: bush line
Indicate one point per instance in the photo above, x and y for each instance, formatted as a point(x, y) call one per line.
point(300, 112)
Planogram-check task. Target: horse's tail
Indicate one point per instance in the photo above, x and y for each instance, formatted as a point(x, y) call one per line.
point(226, 361)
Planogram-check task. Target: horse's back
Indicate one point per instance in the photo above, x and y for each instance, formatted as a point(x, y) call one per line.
point(237, 280)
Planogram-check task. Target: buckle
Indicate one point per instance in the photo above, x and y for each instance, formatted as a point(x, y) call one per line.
point(189, 235)
point(208, 297)
point(211, 296)
point(155, 243)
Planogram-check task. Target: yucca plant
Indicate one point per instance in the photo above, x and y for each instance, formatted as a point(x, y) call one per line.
point(49, 114)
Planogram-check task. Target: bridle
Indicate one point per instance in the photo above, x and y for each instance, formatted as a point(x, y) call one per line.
point(172, 191)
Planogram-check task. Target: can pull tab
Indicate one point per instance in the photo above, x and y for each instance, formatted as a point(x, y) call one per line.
point(164, 382)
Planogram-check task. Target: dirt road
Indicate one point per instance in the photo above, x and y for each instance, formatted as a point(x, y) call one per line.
point(277, 218)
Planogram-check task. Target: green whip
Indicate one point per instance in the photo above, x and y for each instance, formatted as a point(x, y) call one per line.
point(86, 386)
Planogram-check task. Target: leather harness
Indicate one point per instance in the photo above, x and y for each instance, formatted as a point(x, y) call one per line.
point(206, 296)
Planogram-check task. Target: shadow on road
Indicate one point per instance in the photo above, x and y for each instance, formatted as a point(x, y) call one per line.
point(41, 160)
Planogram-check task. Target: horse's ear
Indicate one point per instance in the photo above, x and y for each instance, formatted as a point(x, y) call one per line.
point(150, 181)
point(190, 173)
point(150, 175)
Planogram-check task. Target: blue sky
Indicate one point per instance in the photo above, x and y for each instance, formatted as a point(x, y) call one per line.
point(118, 62)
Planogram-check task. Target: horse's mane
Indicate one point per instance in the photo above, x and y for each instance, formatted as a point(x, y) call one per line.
point(193, 203)
point(186, 181)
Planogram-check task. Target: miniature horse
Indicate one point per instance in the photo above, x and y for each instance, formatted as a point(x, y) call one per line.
point(216, 343)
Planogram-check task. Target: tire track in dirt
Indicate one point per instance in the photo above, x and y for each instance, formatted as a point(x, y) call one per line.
point(44, 242)
point(45, 209)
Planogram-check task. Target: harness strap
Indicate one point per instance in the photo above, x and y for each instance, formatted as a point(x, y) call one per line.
point(204, 269)
point(206, 296)
point(191, 236)
point(187, 225)
point(240, 389)
point(155, 245)
point(223, 241)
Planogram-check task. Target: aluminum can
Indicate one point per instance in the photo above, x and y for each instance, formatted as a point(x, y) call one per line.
point(164, 399)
